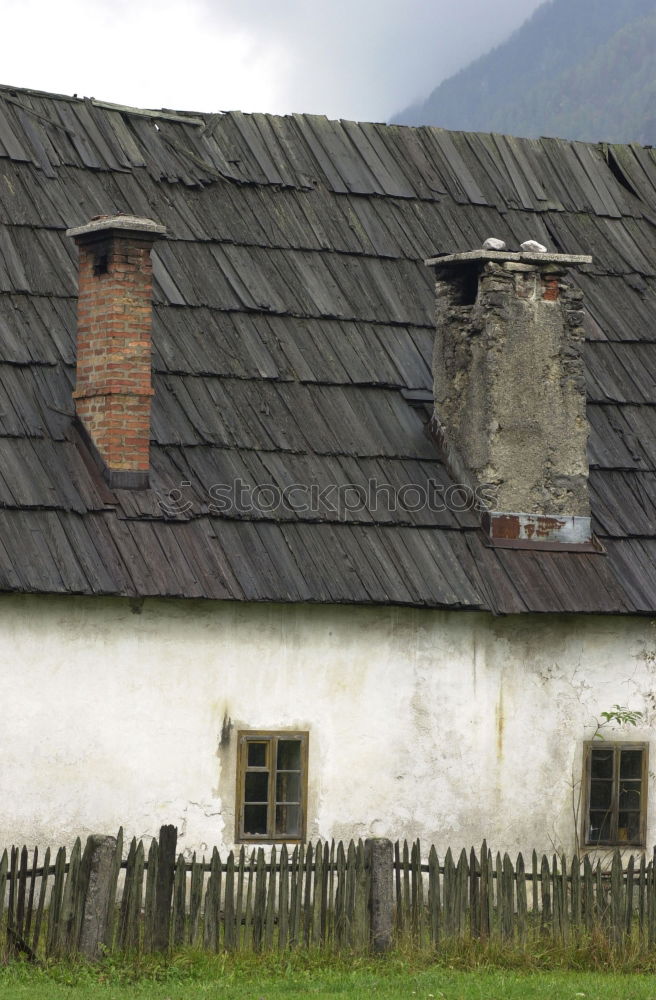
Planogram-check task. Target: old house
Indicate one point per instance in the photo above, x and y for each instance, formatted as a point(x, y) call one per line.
point(255, 582)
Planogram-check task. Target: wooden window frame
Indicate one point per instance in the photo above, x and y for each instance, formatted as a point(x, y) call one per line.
point(246, 736)
point(616, 747)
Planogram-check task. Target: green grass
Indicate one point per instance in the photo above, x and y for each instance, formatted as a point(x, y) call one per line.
point(193, 976)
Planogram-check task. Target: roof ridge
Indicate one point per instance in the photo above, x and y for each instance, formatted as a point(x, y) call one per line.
point(186, 117)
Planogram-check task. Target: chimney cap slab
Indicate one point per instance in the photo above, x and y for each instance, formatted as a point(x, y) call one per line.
point(125, 223)
point(500, 256)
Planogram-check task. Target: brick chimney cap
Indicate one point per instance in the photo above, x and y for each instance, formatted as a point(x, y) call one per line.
point(125, 223)
point(453, 259)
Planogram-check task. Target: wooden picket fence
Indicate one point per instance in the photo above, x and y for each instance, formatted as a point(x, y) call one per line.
point(313, 896)
point(318, 895)
point(487, 897)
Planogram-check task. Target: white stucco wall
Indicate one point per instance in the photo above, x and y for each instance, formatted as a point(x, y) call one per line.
point(450, 726)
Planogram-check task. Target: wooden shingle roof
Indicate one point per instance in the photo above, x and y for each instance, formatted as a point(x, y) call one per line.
point(293, 331)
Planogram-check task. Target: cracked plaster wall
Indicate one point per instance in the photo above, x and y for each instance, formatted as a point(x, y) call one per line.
point(450, 726)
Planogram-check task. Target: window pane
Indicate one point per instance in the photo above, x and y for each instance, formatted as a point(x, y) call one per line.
point(289, 755)
point(288, 786)
point(257, 754)
point(600, 794)
point(628, 826)
point(630, 792)
point(631, 764)
point(288, 821)
point(256, 786)
point(255, 819)
point(601, 763)
point(599, 829)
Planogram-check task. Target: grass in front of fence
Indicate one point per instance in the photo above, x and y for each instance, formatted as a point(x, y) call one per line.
point(466, 972)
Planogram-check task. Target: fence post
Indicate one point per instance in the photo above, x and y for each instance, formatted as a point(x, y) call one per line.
point(96, 899)
point(168, 839)
point(380, 861)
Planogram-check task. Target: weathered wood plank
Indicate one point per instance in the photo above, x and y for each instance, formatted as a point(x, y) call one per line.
point(449, 895)
point(522, 902)
point(507, 898)
point(126, 898)
point(149, 898)
point(259, 901)
point(484, 896)
point(22, 892)
point(534, 886)
point(307, 896)
point(651, 905)
point(340, 896)
point(239, 896)
point(498, 909)
point(283, 899)
point(617, 911)
point(116, 867)
point(229, 923)
point(137, 898)
point(462, 877)
point(556, 919)
point(212, 909)
point(179, 902)
point(434, 903)
point(545, 896)
point(587, 899)
point(195, 900)
point(270, 906)
point(54, 909)
point(43, 888)
point(361, 912)
point(4, 866)
point(81, 893)
point(628, 910)
point(575, 889)
point(350, 893)
point(601, 910)
point(167, 843)
point(474, 896)
point(397, 887)
point(249, 876)
point(415, 879)
point(324, 906)
point(67, 913)
point(316, 894)
point(642, 880)
point(11, 906)
point(406, 919)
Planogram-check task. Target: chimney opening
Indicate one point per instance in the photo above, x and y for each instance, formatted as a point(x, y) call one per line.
point(465, 285)
point(100, 265)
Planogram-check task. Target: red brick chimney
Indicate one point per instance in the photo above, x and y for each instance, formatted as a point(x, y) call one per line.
point(113, 378)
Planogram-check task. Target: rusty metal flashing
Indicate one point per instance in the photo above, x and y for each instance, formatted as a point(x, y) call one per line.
point(539, 532)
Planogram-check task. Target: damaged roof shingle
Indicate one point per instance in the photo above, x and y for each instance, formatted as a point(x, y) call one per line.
point(293, 332)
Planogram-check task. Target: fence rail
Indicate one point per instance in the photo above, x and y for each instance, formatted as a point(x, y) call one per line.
point(326, 894)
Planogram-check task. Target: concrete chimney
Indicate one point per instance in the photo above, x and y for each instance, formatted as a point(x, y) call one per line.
point(510, 392)
point(113, 376)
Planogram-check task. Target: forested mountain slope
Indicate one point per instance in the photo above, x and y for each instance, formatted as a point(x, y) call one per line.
point(578, 69)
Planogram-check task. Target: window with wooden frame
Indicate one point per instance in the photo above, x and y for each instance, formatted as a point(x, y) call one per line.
point(272, 786)
point(615, 802)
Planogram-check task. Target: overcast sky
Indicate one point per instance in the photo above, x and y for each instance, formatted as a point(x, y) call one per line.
point(360, 59)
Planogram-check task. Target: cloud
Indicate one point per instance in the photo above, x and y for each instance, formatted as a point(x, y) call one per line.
point(367, 58)
point(148, 54)
point(349, 58)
